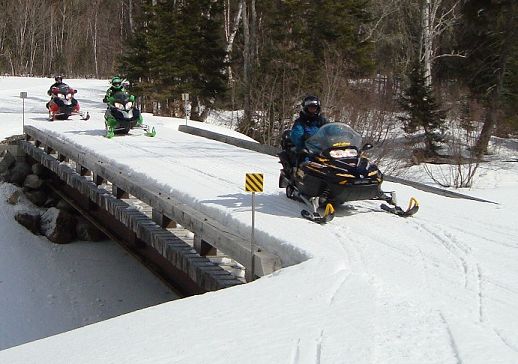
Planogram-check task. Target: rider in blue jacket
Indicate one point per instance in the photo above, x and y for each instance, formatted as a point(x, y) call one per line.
point(308, 122)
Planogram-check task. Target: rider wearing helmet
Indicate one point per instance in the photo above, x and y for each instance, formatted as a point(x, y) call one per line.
point(308, 122)
point(58, 83)
point(116, 86)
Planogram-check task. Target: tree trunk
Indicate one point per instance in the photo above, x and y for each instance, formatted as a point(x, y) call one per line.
point(130, 16)
point(247, 112)
point(230, 39)
point(253, 34)
point(96, 62)
point(487, 130)
point(427, 42)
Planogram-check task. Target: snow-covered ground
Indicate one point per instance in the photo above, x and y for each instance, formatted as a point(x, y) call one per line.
point(45, 288)
point(369, 287)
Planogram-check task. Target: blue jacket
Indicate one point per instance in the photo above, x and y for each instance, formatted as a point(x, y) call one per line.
point(304, 127)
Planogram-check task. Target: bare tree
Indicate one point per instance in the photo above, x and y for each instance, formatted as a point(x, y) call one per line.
point(437, 16)
point(230, 33)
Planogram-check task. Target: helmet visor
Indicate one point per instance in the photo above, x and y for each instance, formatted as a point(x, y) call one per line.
point(309, 103)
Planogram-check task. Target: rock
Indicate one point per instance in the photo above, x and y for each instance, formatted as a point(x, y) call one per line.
point(5, 176)
point(14, 139)
point(33, 182)
point(51, 202)
point(31, 220)
point(63, 205)
point(58, 226)
point(37, 197)
point(19, 172)
point(39, 170)
point(14, 197)
point(6, 161)
point(85, 231)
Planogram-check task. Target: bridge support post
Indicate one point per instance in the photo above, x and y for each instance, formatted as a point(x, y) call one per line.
point(202, 247)
point(48, 149)
point(162, 220)
point(82, 171)
point(62, 158)
point(119, 192)
point(98, 180)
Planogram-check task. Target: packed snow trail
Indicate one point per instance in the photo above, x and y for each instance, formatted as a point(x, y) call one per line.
point(368, 287)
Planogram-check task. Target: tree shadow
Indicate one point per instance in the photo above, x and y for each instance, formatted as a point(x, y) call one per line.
point(280, 205)
point(93, 132)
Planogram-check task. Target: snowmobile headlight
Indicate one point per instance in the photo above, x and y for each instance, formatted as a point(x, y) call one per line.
point(60, 95)
point(118, 105)
point(343, 153)
point(129, 104)
point(69, 96)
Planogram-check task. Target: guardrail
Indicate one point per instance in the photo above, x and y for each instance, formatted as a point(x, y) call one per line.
point(270, 150)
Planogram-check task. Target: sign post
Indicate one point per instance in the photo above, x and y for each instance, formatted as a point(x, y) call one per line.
point(253, 183)
point(185, 98)
point(23, 96)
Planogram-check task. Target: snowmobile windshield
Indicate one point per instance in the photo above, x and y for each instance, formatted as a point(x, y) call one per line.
point(121, 97)
point(333, 135)
point(61, 89)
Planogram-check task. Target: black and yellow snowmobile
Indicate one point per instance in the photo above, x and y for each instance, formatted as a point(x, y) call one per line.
point(331, 170)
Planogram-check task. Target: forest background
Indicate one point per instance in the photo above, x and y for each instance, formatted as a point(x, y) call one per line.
point(433, 67)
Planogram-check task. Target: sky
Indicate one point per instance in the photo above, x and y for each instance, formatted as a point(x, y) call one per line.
point(368, 287)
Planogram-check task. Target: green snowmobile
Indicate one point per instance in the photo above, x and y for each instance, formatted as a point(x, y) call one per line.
point(122, 116)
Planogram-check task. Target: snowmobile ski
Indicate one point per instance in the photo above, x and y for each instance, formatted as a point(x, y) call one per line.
point(329, 214)
point(147, 131)
point(413, 207)
point(84, 115)
point(110, 133)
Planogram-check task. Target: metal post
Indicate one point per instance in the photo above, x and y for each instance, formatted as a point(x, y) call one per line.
point(185, 98)
point(253, 183)
point(252, 243)
point(23, 95)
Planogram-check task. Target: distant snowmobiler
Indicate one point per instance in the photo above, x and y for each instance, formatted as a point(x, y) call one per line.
point(63, 103)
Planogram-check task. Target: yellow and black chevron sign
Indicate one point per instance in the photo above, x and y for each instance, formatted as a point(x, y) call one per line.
point(254, 182)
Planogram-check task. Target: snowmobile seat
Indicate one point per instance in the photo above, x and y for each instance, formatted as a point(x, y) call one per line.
point(286, 143)
point(288, 153)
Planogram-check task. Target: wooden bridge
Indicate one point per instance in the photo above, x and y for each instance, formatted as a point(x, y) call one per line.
point(173, 237)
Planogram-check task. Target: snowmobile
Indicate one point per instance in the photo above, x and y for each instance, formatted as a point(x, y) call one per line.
point(121, 116)
point(63, 104)
point(332, 169)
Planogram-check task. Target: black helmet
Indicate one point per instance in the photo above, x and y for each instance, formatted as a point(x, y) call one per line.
point(310, 101)
point(58, 79)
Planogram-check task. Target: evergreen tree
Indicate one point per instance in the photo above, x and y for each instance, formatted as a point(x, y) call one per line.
point(135, 61)
point(296, 39)
point(179, 49)
point(298, 33)
point(422, 111)
point(489, 36)
point(340, 25)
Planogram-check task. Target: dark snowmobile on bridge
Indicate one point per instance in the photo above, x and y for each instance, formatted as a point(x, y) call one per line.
point(332, 169)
